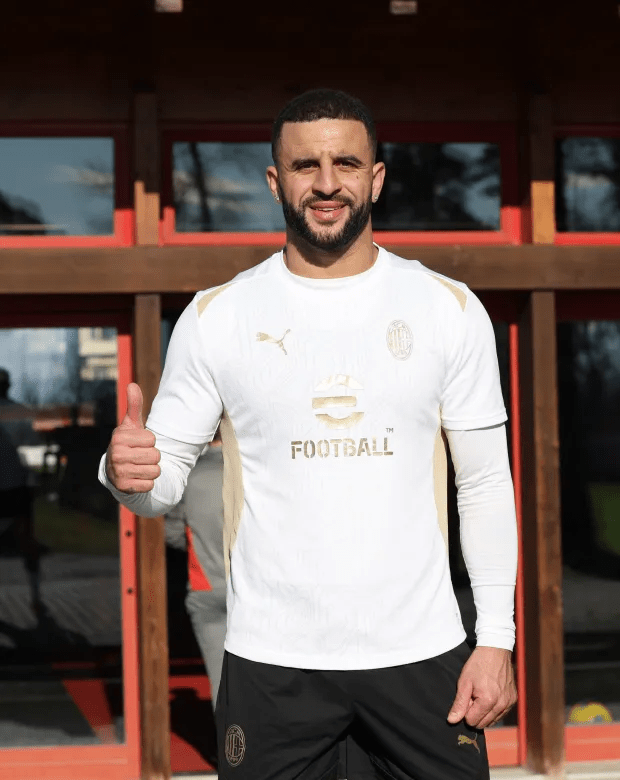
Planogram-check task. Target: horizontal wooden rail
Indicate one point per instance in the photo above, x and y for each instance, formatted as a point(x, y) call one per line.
point(151, 269)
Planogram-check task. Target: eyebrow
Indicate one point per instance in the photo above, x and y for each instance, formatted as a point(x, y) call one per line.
point(350, 159)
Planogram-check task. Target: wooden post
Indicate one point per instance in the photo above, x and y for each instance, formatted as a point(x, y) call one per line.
point(146, 168)
point(542, 555)
point(152, 598)
point(542, 169)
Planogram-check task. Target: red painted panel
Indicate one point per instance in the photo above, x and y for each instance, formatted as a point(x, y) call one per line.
point(593, 743)
point(502, 746)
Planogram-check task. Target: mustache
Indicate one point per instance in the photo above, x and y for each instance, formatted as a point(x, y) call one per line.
point(335, 199)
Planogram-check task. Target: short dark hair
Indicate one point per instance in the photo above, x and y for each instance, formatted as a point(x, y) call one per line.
point(323, 104)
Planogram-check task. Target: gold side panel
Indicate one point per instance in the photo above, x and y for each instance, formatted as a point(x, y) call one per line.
point(440, 480)
point(232, 489)
point(334, 400)
point(460, 296)
point(206, 299)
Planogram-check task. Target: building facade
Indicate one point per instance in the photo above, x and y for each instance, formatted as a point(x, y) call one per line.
point(133, 143)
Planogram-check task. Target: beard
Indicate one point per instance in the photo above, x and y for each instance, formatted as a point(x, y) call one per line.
point(297, 221)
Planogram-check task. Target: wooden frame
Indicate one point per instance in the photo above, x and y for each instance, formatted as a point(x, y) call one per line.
point(151, 269)
point(542, 569)
point(502, 133)
point(155, 714)
point(123, 234)
point(549, 262)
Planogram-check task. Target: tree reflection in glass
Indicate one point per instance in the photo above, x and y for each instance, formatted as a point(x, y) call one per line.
point(588, 185)
point(220, 186)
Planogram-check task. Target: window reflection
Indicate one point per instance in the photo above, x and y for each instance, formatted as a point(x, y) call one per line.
point(220, 186)
point(588, 185)
point(56, 186)
point(60, 612)
point(589, 402)
point(432, 186)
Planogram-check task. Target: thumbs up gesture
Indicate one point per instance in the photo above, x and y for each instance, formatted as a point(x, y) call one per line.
point(132, 458)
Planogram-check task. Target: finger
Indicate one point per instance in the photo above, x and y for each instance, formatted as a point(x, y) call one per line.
point(461, 702)
point(133, 438)
point(500, 717)
point(483, 715)
point(135, 402)
point(138, 486)
point(132, 471)
point(137, 456)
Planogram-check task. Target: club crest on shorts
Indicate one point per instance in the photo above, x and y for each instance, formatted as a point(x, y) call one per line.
point(234, 747)
point(399, 339)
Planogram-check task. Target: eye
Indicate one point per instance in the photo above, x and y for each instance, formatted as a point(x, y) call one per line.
point(306, 165)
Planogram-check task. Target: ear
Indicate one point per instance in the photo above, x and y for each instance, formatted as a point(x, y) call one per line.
point(378, 177)
point(273, 181)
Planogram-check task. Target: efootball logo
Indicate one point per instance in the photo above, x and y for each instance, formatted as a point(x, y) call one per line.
point(337, 401)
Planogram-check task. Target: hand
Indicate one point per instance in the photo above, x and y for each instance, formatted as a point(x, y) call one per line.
point(131, 461)
point(486, 689)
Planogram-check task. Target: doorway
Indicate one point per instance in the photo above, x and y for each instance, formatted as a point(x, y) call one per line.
point(68, 627)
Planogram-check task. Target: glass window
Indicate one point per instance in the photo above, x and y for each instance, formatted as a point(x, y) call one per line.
point(588, 185)
point(589, 404)
point(220, 186)
point(439, 186)
point(56, 186)
point(60, 594)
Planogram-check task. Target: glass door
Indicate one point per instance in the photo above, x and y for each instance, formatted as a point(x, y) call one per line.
point(588, 334)
point(68, 662)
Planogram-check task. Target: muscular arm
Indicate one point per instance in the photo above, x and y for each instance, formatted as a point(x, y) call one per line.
point(488, 529)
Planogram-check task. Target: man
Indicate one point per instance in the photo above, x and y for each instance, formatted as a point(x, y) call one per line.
point(16, 485)
point(336, 366)
point(202, 515)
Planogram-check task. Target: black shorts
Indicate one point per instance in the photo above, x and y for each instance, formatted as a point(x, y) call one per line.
point(278, 723)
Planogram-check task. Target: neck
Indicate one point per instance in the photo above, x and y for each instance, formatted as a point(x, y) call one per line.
point(304, 260)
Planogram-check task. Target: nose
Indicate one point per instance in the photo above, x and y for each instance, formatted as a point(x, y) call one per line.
point(326, 183)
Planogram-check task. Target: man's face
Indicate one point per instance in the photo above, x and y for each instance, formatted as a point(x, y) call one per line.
point(326, 179)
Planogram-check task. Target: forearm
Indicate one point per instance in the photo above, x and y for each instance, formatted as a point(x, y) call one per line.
point(177, 460)
point(488, 529)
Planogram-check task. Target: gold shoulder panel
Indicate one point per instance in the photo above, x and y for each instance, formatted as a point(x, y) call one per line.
point(206, 299)
point(460, 296)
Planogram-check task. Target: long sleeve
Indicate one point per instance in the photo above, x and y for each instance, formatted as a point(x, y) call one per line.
point(177, 460)
point(488, 528)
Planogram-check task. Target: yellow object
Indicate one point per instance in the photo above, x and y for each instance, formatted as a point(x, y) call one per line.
point(593, 712)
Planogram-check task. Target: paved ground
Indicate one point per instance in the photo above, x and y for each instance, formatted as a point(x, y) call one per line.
point(595, 770)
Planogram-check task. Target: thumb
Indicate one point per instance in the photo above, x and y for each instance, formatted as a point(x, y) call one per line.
point(461, 702)
point(133, 418)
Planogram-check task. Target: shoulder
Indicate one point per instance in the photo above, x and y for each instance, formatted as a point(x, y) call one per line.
point(247, 283)
point(449, 294)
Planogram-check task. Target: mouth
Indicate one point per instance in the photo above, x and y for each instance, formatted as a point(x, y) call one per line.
point(327, 212)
